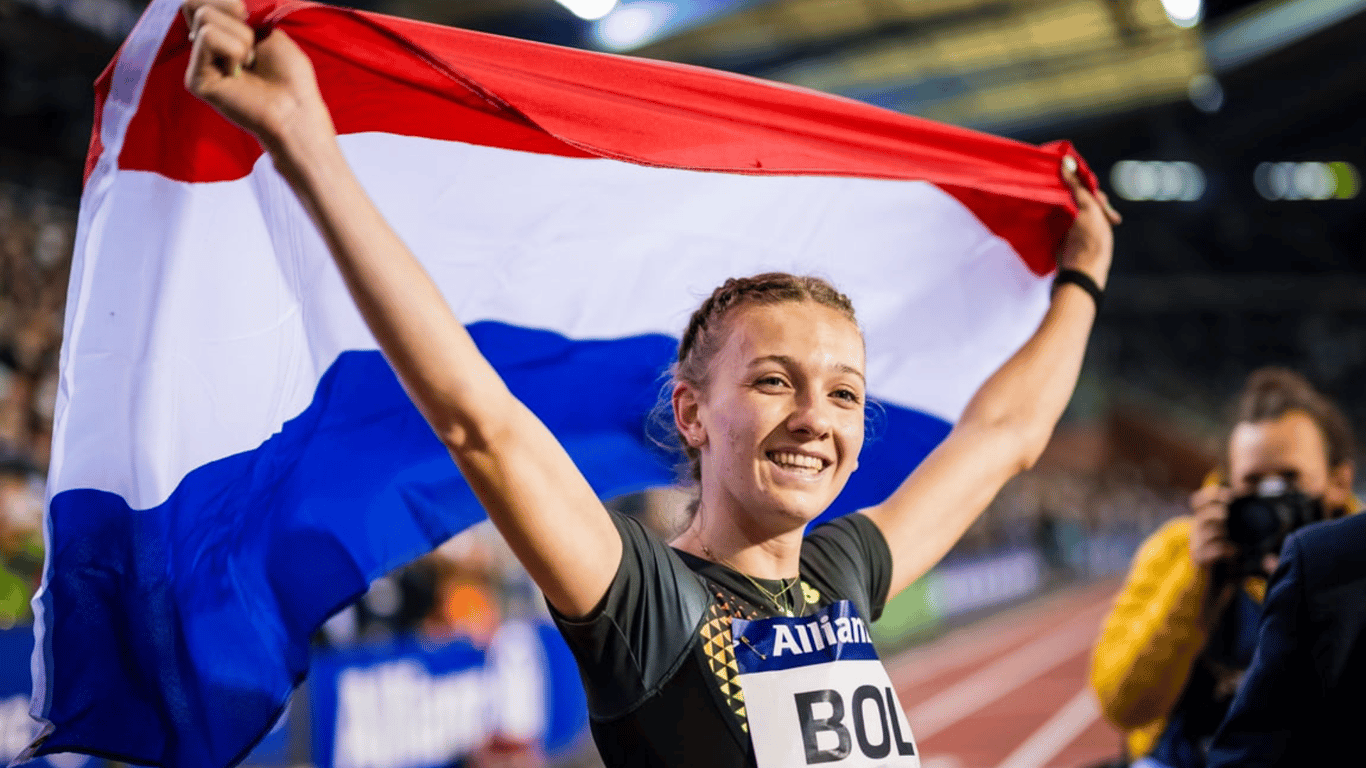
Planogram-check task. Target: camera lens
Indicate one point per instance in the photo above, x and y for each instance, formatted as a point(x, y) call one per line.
point(1258, 525)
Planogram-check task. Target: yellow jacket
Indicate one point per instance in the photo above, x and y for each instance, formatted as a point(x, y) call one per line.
point(1153, 635)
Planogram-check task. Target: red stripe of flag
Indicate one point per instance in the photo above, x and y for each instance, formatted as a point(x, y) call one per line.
point(411, 78)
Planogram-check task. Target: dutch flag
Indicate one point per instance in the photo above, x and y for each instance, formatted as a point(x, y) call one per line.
point(233, 459)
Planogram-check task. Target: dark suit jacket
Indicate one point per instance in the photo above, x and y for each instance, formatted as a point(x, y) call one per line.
point(1303, 701)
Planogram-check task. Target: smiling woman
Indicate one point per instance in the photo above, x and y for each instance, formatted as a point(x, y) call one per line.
point(744, 643)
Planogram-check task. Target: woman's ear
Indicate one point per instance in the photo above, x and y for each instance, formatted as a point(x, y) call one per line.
point(686, 415)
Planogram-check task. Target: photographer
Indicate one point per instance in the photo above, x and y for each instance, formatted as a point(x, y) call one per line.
point(1173, 650)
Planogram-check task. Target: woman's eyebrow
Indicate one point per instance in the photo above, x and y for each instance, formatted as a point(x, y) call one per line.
point(788, 362)
point(843, 368)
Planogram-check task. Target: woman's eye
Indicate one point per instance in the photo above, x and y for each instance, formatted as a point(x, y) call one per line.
point(771, 381)
point(849, 395)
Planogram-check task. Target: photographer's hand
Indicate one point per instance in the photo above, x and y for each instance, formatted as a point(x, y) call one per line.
point(1209, 531)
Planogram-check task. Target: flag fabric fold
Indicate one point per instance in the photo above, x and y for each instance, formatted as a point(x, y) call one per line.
point(233, 460)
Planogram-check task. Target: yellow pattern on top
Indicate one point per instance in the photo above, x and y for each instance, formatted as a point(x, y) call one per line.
point(716, 646)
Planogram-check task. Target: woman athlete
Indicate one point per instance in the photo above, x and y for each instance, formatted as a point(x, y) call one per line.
point(742, 642)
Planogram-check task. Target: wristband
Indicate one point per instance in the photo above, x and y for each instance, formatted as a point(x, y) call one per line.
point(1082, 281)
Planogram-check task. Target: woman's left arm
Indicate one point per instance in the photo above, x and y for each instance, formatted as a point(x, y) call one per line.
point(1009, 420)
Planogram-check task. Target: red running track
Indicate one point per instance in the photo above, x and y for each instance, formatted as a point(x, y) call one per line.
point(1011, 690)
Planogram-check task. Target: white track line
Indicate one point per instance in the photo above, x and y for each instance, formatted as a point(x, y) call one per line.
point(990, 636)
point(1055, 735)
point(1005, 675)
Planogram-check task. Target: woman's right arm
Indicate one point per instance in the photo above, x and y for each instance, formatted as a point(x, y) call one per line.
point(525, 480)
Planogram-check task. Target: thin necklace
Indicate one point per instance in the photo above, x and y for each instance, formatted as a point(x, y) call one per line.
point(785, 607)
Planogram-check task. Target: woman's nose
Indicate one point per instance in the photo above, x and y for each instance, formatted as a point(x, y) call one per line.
point(810, 417)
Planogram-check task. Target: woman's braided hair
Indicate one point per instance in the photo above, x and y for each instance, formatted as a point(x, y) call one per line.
point(705, 333)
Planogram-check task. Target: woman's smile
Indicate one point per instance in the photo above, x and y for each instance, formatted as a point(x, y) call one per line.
point(801, 464)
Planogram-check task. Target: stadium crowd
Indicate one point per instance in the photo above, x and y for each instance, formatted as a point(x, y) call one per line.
point(36, 237)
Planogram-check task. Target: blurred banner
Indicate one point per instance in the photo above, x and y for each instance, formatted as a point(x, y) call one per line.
point(412, 703)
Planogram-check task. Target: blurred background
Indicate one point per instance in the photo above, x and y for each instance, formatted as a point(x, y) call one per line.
point(1228, 132)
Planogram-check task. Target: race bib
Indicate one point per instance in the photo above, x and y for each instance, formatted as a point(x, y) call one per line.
point(816, 694)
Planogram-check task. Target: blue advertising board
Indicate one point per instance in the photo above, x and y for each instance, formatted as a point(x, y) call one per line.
point(413, 703)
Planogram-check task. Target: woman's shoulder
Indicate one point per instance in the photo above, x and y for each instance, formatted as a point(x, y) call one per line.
point(652, 576)
point(848, 558)
point(856, 534)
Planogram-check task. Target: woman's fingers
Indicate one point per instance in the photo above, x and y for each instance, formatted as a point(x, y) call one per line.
point(234, 8)
point(225, 21)
point(222, 42)
point(218, 55)
point(1084, 197)
point(1110, 212)
point(222, 49)
point(1073, 181)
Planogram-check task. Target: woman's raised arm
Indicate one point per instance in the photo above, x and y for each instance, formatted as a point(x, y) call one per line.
point(1009, 420)
point(526, 481)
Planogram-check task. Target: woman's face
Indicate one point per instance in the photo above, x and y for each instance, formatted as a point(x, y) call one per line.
point(780, 423)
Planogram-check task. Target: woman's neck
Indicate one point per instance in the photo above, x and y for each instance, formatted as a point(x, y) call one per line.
point(728, 541)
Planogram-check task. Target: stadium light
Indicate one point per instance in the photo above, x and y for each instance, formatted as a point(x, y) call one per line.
point(1157, 180)
point(1205, 93)
point(1183, 13)
point(589, 10)
point(1307, 181)
point(631, 24)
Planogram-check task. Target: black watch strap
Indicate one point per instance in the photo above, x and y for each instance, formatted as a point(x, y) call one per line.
point(1081, 280)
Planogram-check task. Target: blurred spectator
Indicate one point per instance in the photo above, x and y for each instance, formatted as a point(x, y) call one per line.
point(21, 550)
point(467, 574)
point(1173, 649)
point(464, 594)
point(1049, 540)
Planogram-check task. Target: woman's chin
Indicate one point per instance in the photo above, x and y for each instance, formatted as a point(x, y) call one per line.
point(798, 509)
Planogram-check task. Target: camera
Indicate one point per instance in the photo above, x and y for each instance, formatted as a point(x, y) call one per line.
point(1259, 522)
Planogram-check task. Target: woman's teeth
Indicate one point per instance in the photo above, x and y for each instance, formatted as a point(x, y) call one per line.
point(796, 461)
